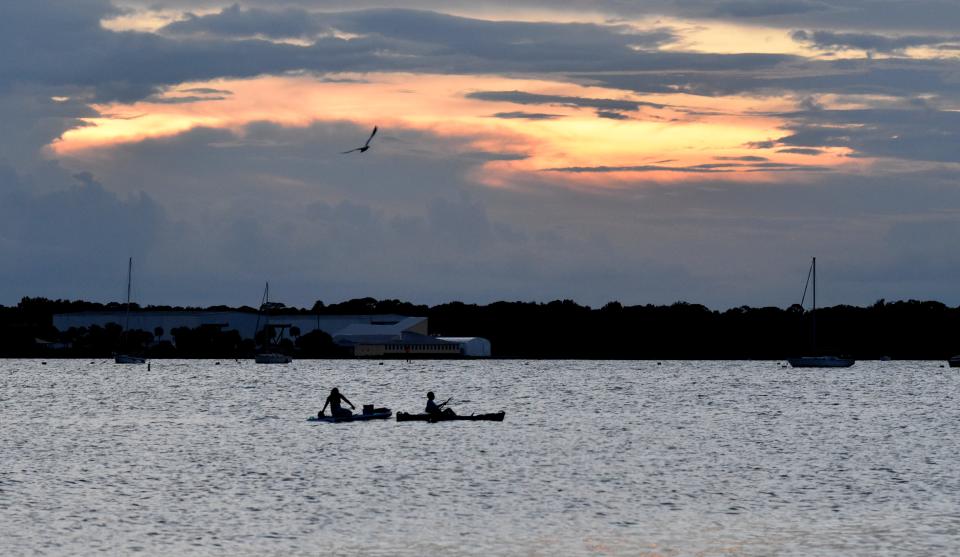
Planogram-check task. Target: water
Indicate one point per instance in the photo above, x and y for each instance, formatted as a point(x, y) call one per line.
point(594, 458)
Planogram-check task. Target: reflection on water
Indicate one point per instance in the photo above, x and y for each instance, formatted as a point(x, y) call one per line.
point(594, 458)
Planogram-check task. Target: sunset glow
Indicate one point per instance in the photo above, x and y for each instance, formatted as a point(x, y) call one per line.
point(687, 130)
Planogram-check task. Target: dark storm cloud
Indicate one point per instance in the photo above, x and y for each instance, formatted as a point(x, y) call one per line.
point(68, 47)
point(893, 77)
point(32, 119)
point(474, 36)
point(445, 43)
point(64, 45)
point(915, 134)
point(234, 21)
point(830, 40)
point(939, 15)
point(74, 231)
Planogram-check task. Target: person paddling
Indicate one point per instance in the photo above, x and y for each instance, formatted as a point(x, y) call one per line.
point(334, 401)
point(435, 409)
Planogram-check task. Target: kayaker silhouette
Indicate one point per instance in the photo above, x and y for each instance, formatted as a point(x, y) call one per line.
point(334, 401)
point(435, 409)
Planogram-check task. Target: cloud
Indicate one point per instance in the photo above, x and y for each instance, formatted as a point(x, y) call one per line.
point(837, 14)
point(830, 40)
point(610, 115)
point(520, 97)
point(32, 119)
point(891, 77)
point(765, 8)
point(186, 99)
point(796, 150)
point(208, 91)
point(706, 168)
point(526, 116)
point(234, 21)
point(268, 202)
point(744, 158)
point(476, 36)
point(850, 14)
point(922, 134)
point(76, 51)
point(81, 231)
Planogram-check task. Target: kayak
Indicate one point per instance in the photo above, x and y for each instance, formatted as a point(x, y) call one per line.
point(404, 417)
point(383, 414)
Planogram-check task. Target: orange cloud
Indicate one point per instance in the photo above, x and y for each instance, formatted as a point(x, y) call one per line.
point(687, 130)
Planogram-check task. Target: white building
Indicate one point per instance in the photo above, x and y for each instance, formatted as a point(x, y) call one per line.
point(472, 347)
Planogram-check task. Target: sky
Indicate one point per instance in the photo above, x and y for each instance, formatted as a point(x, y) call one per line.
point(640, 151)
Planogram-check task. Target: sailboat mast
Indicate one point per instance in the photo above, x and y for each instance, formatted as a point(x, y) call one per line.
point(261, 312)
point(126, 324)
point(814, 312)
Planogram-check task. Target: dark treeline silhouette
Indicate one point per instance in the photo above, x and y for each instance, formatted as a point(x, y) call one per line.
point(558, 329)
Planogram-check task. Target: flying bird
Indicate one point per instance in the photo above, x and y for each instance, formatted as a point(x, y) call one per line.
point(365, 145)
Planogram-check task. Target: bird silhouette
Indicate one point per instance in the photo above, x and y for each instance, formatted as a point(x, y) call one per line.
point(365, 145)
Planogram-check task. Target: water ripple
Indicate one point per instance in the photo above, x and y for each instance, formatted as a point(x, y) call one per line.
point(609, 458)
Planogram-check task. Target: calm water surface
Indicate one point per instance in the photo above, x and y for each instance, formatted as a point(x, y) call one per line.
point(594, 458)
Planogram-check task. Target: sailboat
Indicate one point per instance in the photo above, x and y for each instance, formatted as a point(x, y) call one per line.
point(127, 358)
point(272, 332)
point(817, 361)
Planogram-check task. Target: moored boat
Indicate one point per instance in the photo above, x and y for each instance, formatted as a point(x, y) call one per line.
point(120, 358)
point(404, 417)
point(271, 333)
point(954, 361)
point(821, 361)
point(816, 361)
point(128, 359)
point(272, 358)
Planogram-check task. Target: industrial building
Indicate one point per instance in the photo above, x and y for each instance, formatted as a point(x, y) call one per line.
point(366, 335)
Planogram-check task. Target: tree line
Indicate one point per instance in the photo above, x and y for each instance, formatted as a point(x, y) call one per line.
point(558, 329)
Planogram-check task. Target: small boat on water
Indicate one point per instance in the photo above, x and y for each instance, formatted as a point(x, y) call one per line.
point(272, 333)
point(954, 361)
point(120, 358)
point(816, 361)
point(128, 359)
point(821, 361)
point(272, 358)
point(367, 414)
point(404, 417)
